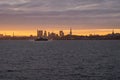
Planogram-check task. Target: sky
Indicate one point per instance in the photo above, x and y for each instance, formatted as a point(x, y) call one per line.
point(25, 16)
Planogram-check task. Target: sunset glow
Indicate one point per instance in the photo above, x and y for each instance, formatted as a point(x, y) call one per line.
point(24, 17)
point(75, 32)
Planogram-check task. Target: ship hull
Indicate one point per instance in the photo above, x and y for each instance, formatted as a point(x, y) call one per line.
point(41, 39)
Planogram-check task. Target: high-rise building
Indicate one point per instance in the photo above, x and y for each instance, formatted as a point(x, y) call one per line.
point(39, 33)
point(48, 34)
point(45, 33)
point(61, 33)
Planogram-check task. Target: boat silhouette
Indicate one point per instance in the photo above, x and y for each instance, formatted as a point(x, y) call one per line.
point(41, 39)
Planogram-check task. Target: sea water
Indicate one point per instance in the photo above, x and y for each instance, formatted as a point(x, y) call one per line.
point(60, 60)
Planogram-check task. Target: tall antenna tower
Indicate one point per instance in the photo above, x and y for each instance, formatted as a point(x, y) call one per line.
point(70, 31)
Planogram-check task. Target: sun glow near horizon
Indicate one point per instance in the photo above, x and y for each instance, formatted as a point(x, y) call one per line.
point(66, 31)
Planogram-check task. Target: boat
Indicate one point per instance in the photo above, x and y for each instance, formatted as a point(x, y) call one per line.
point(41, 39)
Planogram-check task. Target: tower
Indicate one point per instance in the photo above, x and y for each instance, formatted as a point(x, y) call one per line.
point(70, 31)
point(13, 34)
point(113, 32)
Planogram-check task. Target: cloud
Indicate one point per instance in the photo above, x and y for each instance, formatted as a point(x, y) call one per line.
point(58, 5)
point(74, 11)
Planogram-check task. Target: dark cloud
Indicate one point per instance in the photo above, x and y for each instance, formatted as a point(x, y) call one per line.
point(95, 12)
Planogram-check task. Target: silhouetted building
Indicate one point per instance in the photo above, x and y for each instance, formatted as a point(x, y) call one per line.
point(53, 36)
point(61, 33)
point(1, 35)
point(48, 34)
point(45, 33)
point(39, 33)
point(113, 32)
point(7, 35)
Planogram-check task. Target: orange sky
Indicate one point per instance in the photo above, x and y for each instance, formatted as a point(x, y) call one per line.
point(19, 32)
point(27, 30)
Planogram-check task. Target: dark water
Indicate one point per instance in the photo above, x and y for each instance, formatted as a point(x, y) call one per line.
point(60, 60)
